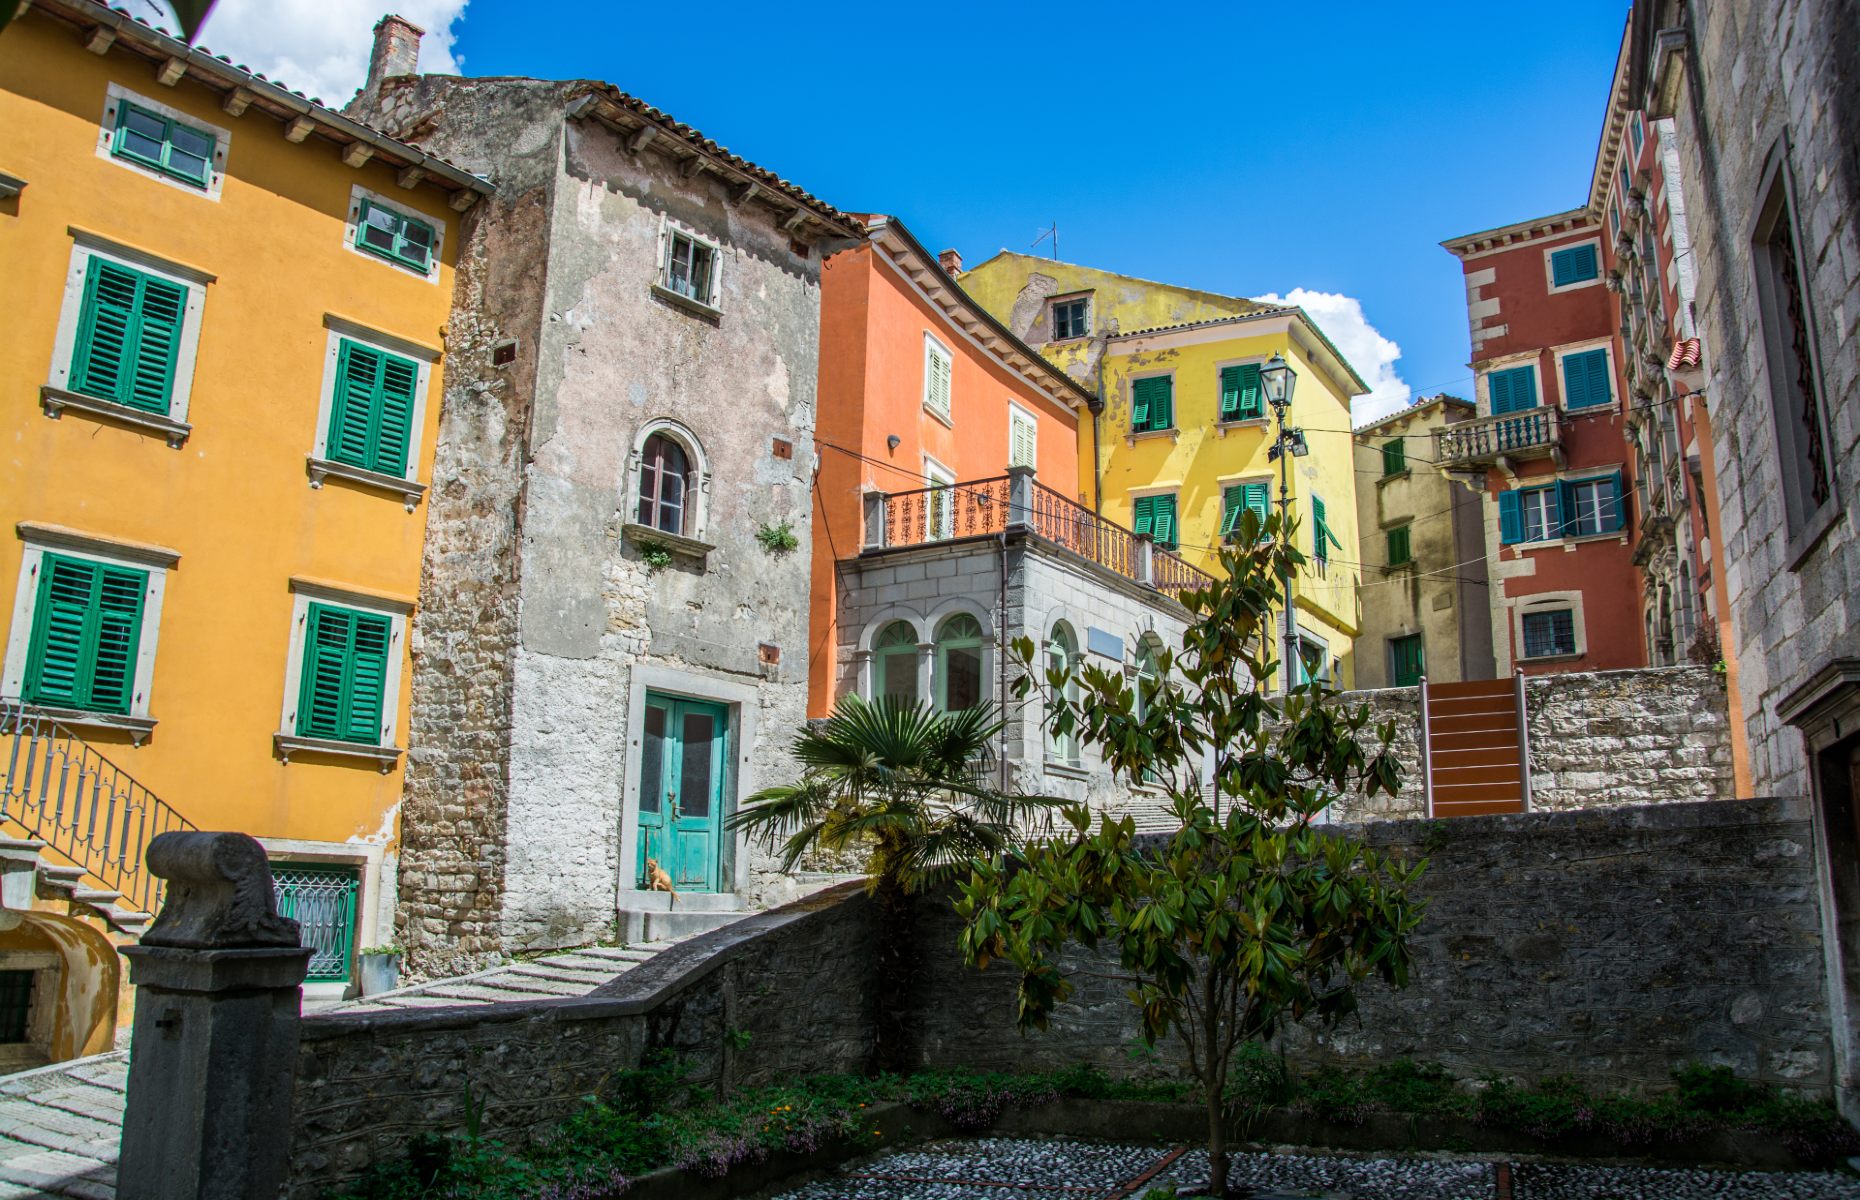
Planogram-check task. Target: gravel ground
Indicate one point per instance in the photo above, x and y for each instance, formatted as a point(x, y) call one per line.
point(1027, 1169)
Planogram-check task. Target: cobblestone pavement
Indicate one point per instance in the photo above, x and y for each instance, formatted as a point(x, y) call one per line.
point(1014, 1169)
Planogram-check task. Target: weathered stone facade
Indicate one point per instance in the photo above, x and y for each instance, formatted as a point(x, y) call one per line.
point(1598, 740)
point(548, 609)
point(1611, 946)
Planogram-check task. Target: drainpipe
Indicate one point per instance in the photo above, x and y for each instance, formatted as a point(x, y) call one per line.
point(1001, 663)
point(1097, 410)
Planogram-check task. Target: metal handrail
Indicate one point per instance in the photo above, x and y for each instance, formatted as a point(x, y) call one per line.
point(943, 511)
point(61, 791)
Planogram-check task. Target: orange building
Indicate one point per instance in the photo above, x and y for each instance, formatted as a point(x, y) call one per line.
point(919, 388)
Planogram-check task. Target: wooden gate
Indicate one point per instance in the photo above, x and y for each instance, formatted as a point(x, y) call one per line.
point(1475, 747)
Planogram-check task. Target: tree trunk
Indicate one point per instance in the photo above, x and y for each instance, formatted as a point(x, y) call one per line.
point(891, 1046)
point(1216, 1075)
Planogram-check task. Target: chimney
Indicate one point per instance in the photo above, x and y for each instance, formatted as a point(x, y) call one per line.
point(396, 52)
point(951, 262)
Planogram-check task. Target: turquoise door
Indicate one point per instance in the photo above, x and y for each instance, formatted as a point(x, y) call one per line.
point(681, 791)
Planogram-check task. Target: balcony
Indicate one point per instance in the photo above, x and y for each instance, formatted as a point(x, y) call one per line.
point(1017, 503)
point(1500, 440)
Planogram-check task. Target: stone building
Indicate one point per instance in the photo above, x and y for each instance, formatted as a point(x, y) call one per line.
point(1425, 598)
point(1764, 96)
point(611, 645)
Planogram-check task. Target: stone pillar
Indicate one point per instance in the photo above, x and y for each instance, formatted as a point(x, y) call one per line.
point(875, 520)
point(1146, 562)
point(213, 1062)
point(1020, 498)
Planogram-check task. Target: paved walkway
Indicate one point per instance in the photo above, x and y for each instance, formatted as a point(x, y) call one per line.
point(1014, 1169)
point(59, 1125)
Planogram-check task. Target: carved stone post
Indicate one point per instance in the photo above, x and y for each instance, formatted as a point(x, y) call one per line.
point(1020, 498)
point(1146, 560)
point(214, 1058)
point(874, 520)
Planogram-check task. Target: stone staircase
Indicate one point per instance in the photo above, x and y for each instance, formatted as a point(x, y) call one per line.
point(28, 874)
point(59, 1125)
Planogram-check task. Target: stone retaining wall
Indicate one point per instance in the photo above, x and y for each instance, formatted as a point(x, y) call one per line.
point(1598, 739)
point(779, 994)
point(1612, 945)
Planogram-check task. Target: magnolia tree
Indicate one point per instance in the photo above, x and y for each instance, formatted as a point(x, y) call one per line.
point(1252, 914)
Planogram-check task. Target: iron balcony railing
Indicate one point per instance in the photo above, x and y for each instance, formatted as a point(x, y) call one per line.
point(1532, 433)
point(60, 791)
point(945, 512)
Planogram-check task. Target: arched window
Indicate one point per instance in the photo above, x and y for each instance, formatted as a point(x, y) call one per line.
point(894, 663)
point(664, 478)
point(959, 663)
point(1061, 649)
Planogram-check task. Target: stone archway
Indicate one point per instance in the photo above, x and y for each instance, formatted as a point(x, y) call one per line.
point(67, 976)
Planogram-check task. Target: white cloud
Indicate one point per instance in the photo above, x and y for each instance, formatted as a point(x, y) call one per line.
point(320, 47)
point(1342, 320)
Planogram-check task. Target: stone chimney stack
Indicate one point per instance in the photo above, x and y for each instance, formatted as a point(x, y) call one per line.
point(396, 52)
point(951, 262)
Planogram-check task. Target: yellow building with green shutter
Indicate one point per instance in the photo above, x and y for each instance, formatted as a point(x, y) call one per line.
point(221, 378)
point(1179, 445)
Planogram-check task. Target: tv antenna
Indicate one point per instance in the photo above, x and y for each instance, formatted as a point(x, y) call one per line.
point(1053, 233)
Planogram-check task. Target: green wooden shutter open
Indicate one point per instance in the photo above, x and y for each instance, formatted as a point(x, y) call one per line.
point(129, 336)
point(87, 630)
point(1258, 499)
point(1510, 518)
point(1143, 514)
point(1233, 503)
point(1165, 521)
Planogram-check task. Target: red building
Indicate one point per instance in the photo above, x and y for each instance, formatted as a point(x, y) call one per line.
point(1548, 446)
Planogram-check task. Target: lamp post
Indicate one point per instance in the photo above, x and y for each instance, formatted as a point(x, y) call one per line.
point(1279, 381)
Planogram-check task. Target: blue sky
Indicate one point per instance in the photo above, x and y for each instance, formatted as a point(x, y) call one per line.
point(1243, 148)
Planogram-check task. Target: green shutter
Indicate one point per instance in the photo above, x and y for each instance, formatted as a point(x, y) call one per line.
point(1233, 503)
point(344, 683)
point(371, 414)
point(1514, 390)
point(1152, 403)
point(128, 337)
point(1143, 514)
point(1585, 380)
point(1510, 518)
point(86, 631)
point(1240, 397)
point(1394, 457)
point(1399, 550)
point(1410, 663)
point(1165, 521)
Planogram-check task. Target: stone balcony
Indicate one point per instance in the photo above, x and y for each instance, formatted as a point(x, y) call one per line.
point(1500, 440)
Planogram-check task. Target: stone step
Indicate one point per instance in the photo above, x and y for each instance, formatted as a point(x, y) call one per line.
point(483, 992)
point(111, 1073)
point(97, 896)
point(617, 953)
point(570, 969)
point(518, 980)
point(57, 873)
point(56, 1173)
point(55, 1129)
point(84, 1100)
point(410, 1000)
point(681, 924)
point(564, 981)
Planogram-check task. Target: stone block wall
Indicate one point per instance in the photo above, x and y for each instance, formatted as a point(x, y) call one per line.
point(796, 980)
point(1610, 945)
point(1598, 739)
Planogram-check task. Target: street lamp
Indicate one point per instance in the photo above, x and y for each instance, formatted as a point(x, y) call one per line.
point(1279, 381)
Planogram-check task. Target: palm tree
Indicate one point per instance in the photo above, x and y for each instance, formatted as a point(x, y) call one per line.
point(907, 782)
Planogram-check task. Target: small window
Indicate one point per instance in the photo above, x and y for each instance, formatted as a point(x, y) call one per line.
point(1585, 380)
point(1061, 651)
point(894, 664)
point(1023, 438)
point(938, 369)
point(128, 336)
point(1549, 633)
point(320, 897)
point(959, 663)
point(1237, 501)
point(690, 268)
point(1323, 538)
point(939, 502)
point(1400, 552)
point(1407, 657)
point(1394, 457)
point(1512, 390)
point(664, 480)
point(1152, 403)
point(1592, 506)
point(371, 414)
point(342, 687)
point(1635, 134)
point(163, 144)
point(1574, 265)
point(1155, 516)
point(86, 635)
point(1541, 518)
point(1313, 664)
point(395, 236)
point(1071, 318)
point(1240, 392)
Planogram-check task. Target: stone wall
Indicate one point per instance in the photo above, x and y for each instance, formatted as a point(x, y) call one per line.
point(797, 981)
point(1598, 739)
point(1610, 945)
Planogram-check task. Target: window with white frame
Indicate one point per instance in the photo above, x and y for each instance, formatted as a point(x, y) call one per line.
point(386, 230)
point(939, 501)
point(1023, 437)
point(1062, 649)
point(939, 369)
point(1540, 514)
point(1593, 507)
point(1571, 267)
point(342, 676)
point(128, 331)
point(689, 266)
point(85, 620)
point(373, 409)
point(162, 142)
point(669, 480)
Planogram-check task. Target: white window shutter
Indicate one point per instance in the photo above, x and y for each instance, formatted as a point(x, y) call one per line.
point(1023, 437)
point(936, 379)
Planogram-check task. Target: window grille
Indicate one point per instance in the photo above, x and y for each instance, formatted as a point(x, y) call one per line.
point(321, 899)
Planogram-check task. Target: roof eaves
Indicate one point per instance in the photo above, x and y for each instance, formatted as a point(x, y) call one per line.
point(202, 64)
point(1264, 311)
point(1523, 230)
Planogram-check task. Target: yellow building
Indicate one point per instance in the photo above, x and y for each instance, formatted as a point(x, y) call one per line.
point(1179, 445)
point(222, 362)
